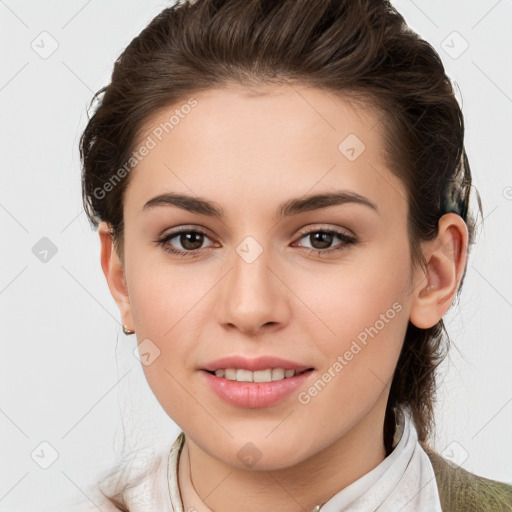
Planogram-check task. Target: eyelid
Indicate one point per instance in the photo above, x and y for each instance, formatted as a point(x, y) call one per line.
point(311, 228)
point(186, 228)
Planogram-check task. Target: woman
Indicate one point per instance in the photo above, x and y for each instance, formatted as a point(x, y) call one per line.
point(282, 197)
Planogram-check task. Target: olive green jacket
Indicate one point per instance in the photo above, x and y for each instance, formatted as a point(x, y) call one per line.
point(462, 491)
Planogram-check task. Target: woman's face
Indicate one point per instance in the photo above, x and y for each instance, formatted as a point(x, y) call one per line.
point(245, 282)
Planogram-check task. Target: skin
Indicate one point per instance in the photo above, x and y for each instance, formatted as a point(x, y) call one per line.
point(249, 151)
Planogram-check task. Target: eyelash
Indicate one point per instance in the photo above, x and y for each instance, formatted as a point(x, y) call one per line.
point(347, 240)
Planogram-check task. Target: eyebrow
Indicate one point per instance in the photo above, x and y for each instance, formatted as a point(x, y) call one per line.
point(286, 209)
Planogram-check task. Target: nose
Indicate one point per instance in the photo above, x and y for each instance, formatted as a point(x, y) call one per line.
point(253, 296)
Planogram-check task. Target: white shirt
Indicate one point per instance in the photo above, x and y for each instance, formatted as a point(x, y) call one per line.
point(403, 482)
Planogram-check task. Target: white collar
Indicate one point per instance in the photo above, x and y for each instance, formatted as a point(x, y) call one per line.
point(404, 481)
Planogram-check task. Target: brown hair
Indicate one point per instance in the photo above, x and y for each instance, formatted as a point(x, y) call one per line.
point(360, 49)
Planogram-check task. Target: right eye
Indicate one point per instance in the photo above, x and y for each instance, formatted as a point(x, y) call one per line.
point(190, 239)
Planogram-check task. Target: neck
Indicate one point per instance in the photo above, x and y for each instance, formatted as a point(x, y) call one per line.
point(219, 487)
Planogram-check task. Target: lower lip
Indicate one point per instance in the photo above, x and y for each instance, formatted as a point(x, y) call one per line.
point(254, 394)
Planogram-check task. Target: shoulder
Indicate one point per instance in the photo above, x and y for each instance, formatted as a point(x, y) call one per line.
point(134, 485)
point(462, 490)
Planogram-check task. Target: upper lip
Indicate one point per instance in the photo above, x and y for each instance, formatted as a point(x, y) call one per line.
point(255, 364)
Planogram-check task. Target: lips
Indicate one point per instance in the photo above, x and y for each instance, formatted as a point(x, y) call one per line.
point(255, 364)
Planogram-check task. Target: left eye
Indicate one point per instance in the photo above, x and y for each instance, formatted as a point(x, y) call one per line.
point(324, 238)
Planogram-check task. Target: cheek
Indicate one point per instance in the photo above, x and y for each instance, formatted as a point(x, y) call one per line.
point(368, 293)
point(163, 309)
point(163, 296)
point(168, 307)
point(359, 359)
point(365, 310)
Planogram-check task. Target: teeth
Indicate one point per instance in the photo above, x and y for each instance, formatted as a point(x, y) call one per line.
point(269, 375)
point(278, 374)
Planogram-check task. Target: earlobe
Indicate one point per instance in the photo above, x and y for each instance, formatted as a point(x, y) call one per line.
point(446, 258)
point(114, 273)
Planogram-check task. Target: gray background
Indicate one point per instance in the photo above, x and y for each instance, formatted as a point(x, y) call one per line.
point(69, 378)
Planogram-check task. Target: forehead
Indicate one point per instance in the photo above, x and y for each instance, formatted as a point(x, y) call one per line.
point(257, 144)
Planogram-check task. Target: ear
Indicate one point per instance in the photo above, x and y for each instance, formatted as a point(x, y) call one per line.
point(446, 258)
point(114, 273)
